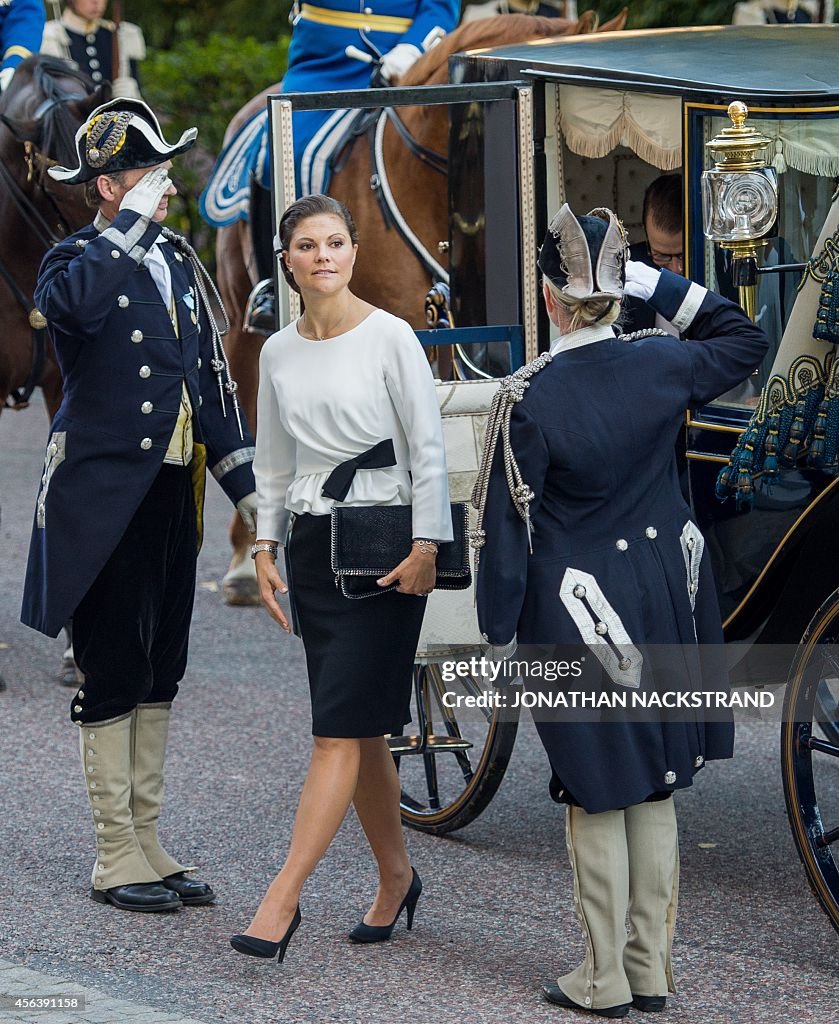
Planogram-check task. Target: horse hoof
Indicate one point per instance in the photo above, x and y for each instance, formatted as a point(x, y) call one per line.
point(241, 592)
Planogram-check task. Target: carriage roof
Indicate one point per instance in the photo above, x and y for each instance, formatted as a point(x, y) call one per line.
point(794, 64)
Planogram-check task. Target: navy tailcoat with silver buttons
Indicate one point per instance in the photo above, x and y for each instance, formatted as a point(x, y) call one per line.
point(122, 365)
point(617, 561)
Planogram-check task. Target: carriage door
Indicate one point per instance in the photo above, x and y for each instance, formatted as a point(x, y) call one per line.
point(493, 302)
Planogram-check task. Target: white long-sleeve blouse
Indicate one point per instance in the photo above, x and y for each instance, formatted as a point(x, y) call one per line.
point(323, 402)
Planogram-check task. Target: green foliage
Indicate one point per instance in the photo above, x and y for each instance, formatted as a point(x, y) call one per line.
point(205, 83)
point(168, 23)
point(664, 13)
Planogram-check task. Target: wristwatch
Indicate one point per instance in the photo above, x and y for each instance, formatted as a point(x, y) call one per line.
point(256, 548)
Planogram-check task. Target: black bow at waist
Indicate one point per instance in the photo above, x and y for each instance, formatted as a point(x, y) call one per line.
point(380, 456)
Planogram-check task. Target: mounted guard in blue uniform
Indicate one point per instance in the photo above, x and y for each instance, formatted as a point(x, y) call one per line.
point(21, 29)
point(148, 404)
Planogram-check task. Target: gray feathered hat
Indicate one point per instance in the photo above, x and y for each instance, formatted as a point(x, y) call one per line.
point(585, 257)
point(121, 135)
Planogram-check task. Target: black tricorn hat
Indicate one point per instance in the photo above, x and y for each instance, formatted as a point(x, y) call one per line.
point(121, 135)
point(585, 257)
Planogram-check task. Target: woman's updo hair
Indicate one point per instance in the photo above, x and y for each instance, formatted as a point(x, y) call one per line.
point(302, 209)
point(585, 312)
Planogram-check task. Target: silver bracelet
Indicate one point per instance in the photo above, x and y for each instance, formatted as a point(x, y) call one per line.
point(265, 546)
point(427, 547)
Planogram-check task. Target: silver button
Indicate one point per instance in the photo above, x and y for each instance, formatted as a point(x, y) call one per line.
point(81, 694)
point(145, 444)
point(669, 778)
point(579, 591)
point(689, 542)
point(621, 544)
point(698, 761)
point(90, 38)
point(199, 362)
point(100, 825)
point(123, 301)
point(136, 337)
point(588, 1000)
point(485, 638)
point(200, 400)
point(90, 769)
point(96, 76)
point(97, 813)
point(145, 371)
point(91, 735)
point(77, 708)
point(53, 448)
point(90, 51)
point(178, 257)
point(146, 407)
point(93, 785)
point(94, 63)
point(115, 253)
point(624, 664)
point(601, 629)
point(651, 532)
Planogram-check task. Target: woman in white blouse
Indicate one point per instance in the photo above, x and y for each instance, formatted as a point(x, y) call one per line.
point(344, 379)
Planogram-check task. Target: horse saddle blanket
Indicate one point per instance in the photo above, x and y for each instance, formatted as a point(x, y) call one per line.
point(226, 197)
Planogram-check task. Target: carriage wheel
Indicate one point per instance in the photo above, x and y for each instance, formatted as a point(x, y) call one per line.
point(449, 776)
point(810, 764)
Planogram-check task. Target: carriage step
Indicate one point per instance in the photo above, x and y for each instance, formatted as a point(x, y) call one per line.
point(433, 745)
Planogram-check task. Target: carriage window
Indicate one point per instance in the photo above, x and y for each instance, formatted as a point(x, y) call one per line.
point(806, 157)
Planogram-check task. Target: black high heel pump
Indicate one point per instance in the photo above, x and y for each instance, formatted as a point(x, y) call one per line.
point(252, 946)
point(381, 933)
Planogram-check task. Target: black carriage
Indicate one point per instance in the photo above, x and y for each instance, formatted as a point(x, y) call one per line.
point(592, 120)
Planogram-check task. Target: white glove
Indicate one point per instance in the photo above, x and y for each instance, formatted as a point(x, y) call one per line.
point(145, 197)
point(641, 280)
point(6, 76)
point(247, 510)
point(397, 61)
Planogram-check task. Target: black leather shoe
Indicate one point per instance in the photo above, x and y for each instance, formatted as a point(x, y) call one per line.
point(554, 994)
point(192, 892)
point(148, 897)
point(649, 1004)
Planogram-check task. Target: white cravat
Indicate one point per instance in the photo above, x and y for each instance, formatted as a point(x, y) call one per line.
point(159, 270)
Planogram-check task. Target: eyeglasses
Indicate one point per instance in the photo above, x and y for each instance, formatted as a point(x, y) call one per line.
point(662, 259)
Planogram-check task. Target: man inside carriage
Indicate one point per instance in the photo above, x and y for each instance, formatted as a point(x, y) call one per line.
point(21, 29)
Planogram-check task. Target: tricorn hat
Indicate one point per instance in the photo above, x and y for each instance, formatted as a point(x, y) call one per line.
point(121, 135)
point(585, 257)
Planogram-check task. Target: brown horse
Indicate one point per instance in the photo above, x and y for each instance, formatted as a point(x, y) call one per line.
point(420, 193)
point(39, 114)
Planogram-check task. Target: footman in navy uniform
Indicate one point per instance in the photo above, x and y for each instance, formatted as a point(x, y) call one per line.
point(586, 474)
point(148, 405)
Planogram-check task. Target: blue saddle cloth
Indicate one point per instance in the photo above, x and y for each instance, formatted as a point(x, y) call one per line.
point(226, 197)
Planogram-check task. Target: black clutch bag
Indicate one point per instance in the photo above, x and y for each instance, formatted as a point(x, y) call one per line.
point(368, 541)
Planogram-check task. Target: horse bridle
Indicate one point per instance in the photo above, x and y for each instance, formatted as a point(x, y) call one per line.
point(37, 164)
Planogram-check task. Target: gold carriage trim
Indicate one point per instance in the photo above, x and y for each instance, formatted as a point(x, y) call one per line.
point(17, 51)
point(348, 19)
point(98, 156)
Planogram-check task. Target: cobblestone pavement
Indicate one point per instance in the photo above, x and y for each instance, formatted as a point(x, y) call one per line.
point(496, 917)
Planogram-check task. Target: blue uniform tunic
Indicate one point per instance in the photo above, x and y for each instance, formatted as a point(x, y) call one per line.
point(122, 366)
point(617, 558)
point(317, 60)
point(21, 29)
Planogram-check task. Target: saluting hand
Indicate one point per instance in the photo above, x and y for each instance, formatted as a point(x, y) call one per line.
point(144, 198)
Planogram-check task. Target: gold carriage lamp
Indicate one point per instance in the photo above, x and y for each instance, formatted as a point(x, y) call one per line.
point(740, 199)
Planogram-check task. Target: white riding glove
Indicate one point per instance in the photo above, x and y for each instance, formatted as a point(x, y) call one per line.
point(247, 510)
point(397, 61)
point(144, 198)
point(641, 280)
point(6, 75)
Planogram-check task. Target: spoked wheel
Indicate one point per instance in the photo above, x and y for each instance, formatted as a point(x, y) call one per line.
point(452, 766)
point(810, 764)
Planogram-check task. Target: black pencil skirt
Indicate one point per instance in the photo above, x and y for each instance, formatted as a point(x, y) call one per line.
point(359, 652)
